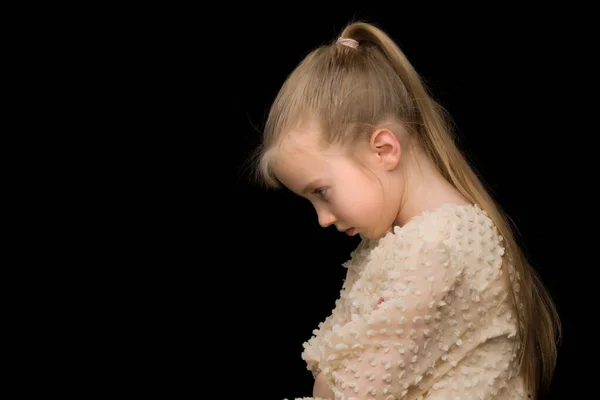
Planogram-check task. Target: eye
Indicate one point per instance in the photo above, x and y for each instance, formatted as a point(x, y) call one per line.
point(321, 192)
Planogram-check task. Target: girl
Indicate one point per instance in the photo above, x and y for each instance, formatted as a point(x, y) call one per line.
point(439, 301)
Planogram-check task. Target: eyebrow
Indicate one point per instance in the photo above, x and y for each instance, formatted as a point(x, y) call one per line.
point(311, 185)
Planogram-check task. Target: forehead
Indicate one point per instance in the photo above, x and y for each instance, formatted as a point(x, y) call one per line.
point(301, 159)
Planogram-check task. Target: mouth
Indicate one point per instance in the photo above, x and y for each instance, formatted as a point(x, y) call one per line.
point(350, 232)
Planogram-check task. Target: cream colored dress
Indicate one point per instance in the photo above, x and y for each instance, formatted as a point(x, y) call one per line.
point(424, 313)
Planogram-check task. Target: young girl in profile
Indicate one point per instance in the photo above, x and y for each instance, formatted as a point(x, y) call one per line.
point(439, 302)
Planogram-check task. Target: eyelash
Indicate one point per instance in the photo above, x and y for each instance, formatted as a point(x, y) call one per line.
point(320, 192)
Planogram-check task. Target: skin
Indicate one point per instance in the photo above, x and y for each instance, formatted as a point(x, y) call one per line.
point(321, 388)
point(390, 181)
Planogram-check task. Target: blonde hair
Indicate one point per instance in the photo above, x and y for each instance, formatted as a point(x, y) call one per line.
point(350, 89)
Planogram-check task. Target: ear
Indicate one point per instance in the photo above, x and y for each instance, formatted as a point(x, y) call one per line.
point(386, 148)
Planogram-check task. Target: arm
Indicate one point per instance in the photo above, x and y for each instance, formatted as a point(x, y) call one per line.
point(434, 293)
point(384, 354)
point(312, 348)
point(311, 353)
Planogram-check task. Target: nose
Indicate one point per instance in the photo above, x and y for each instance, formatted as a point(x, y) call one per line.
point(326, 218)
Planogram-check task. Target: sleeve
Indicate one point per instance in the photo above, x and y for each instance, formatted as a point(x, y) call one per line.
point(384, 353)
point(313, 347)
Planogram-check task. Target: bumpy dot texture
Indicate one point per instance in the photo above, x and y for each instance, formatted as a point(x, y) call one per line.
point(425, 312)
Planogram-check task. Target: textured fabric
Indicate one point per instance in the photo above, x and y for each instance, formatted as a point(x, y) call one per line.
point(424, 312)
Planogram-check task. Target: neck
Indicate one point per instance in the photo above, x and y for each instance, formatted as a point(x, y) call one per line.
point(425, 189)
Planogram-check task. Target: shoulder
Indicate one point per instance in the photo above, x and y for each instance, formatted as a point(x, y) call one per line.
point(470, 238)
point(462, 228)
point(464, 232)
point(444, 225)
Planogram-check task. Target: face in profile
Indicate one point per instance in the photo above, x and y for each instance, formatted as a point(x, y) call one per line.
point(342, 192)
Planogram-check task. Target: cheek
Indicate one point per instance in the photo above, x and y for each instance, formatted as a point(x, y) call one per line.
point(370, 194)
point(361, 206)
point(372, 207)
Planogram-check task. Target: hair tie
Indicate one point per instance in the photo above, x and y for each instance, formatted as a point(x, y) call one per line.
point(348, 42)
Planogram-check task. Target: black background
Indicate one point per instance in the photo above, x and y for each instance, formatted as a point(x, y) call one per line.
point(228, 280)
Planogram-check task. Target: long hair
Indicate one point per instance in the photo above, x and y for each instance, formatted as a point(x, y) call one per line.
point(348, 91)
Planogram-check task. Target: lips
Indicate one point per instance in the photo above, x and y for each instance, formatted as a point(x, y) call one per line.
point(350, 232)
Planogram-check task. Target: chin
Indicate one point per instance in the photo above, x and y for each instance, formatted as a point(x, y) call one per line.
point(378, 234)
point(369, 235)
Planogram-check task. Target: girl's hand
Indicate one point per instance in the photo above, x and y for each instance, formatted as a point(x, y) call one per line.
point(321, 388)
